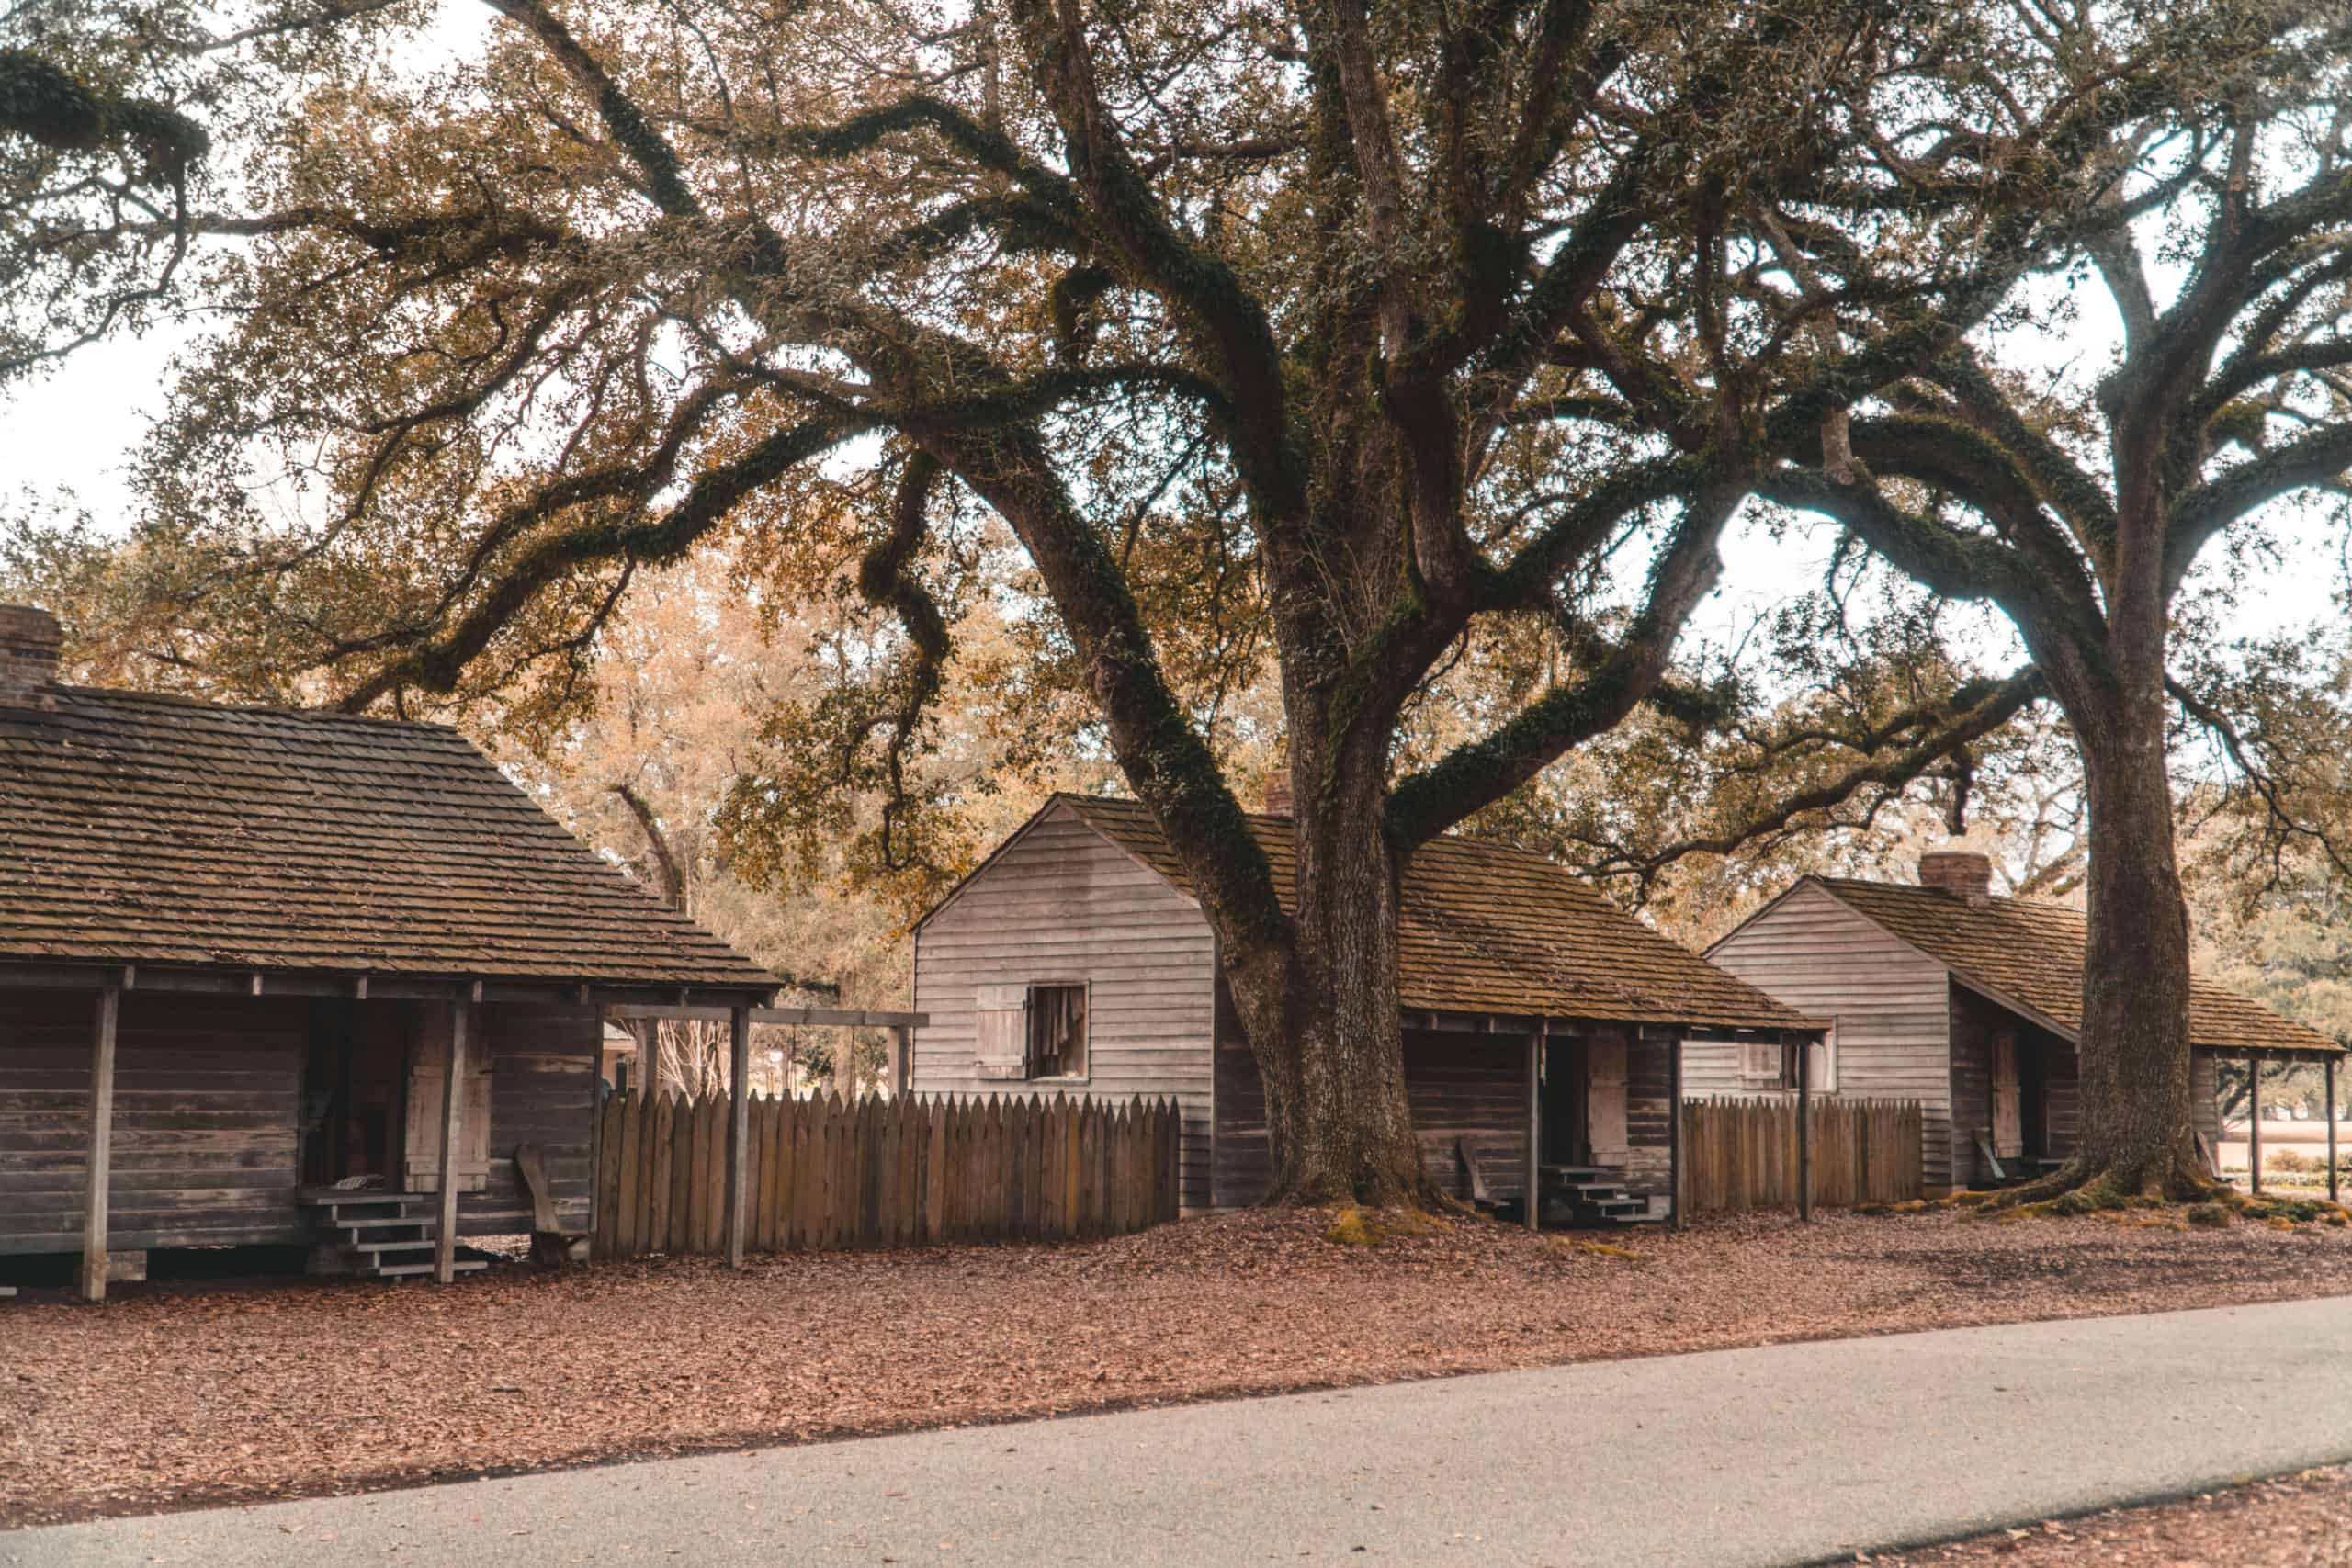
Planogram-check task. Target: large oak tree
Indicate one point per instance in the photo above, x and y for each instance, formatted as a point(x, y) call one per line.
point(1389, 330)
point(2080, 507)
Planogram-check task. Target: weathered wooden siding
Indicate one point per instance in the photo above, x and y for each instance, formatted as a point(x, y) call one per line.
point(204, 1120)
point(1974, 1020)
point(1649, 1077)
point(2062, 1080)
point(2205, 1096)
point(1890, 1001)
point(543, 1091)
point(1457, 1084)
point(207, 1102)
point(1062, 903)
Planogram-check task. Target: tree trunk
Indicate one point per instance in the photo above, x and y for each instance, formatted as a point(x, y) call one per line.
point(2136, 1136)
point(1325, 1023)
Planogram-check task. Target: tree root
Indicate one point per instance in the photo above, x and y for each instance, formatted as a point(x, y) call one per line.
point(2077, 1188)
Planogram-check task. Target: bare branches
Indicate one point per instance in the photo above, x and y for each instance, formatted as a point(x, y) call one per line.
point(1890, 758)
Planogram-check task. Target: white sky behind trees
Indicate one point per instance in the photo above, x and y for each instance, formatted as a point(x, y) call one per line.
point(67, 443)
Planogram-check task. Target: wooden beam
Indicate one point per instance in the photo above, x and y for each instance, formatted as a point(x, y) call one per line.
point(738, 1132)
point(101, 1156)
point(453, 1116)
point(1804, 1131)
point(814, 1018)
point(1674, 1135)
point(902, 1061)
point(2332, 1196)
point(1534, 1128)
point(2254, 1121)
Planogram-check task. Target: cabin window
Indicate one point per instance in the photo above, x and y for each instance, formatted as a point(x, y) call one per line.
point(1822, 1071)
point(1764, 1063)
point(1033, 1031)
point(1057, 1032)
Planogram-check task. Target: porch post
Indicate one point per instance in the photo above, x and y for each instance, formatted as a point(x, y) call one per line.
point(2331, 1132)
point(453, 1118)
point(1535, 1127)
point(739, 1130)
point(101, 1159)
point(2254, 1121)
point(649, 1055)
point(1674, 1134)
point(1805, 1131)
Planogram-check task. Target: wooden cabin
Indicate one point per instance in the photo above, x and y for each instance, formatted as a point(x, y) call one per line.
point(1971, 1004)
point(1076, 959)
point(240, 949)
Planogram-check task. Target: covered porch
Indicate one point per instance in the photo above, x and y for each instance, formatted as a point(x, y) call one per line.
point(373, 1120)
point(1595, 1140)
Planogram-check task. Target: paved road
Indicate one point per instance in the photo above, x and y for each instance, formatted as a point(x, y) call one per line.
point(1779, 1455)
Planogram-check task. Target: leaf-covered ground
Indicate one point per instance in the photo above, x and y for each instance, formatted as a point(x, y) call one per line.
point(2299, 1521)
point(171, 1396)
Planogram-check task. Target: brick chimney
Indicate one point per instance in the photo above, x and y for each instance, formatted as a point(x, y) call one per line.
point(1963, 873)
point(1276, 800)
point(29, 639)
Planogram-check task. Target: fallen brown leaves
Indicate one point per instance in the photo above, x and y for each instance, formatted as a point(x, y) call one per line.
point(2301, 1521)
point(170, 1396)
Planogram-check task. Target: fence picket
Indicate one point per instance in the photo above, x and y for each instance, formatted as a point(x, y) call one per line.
point(1742, 1153)
point(830, 1174)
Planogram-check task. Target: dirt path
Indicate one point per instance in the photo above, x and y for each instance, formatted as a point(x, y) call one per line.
point(171, 1398)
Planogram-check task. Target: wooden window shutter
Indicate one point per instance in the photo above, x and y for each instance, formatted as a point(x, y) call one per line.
point(1822, 1071)
point(1001, 1032)
point(428, 1065)
point(1762, 1064)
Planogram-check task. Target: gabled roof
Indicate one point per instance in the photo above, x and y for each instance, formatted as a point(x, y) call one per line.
point(2028, 953)
point(159, 832)
point(1491, 929)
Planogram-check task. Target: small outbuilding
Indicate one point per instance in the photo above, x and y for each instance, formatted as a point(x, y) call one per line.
point(1543, 1024)
point(278, 976)
point(1969, 1003)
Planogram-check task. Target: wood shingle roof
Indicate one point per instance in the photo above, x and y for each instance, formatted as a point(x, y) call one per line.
point(159, 832)
point(1486, 929)
point(2029, 952)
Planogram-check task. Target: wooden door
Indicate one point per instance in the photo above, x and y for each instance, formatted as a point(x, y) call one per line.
point(1605, 1102)
point(428, 1065)
point(2008, 1118)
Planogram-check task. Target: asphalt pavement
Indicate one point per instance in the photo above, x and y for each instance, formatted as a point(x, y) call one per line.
point(1781, 1454)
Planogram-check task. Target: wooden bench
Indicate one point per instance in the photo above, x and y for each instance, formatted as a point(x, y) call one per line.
point(1488, 1161)
point(551, 1240)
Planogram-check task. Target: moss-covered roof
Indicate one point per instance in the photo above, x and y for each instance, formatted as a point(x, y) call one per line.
point(2029, 952)
point(159, 832)
point(1486, 929)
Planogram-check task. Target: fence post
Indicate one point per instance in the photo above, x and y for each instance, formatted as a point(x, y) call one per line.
point(1805, 1131)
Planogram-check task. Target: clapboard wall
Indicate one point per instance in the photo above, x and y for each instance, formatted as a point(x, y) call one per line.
point(205, 1098)
point(543, 1062)
point(1891, 1002)
point(1457, 1084)
point(1061, 904)
point(207, 1095)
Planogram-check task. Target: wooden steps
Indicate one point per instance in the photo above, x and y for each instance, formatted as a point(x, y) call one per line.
point(378, 1235)
point(1593, 1195)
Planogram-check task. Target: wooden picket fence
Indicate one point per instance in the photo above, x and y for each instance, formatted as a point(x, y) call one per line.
point(826, 1175)
point(1742, 1153)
